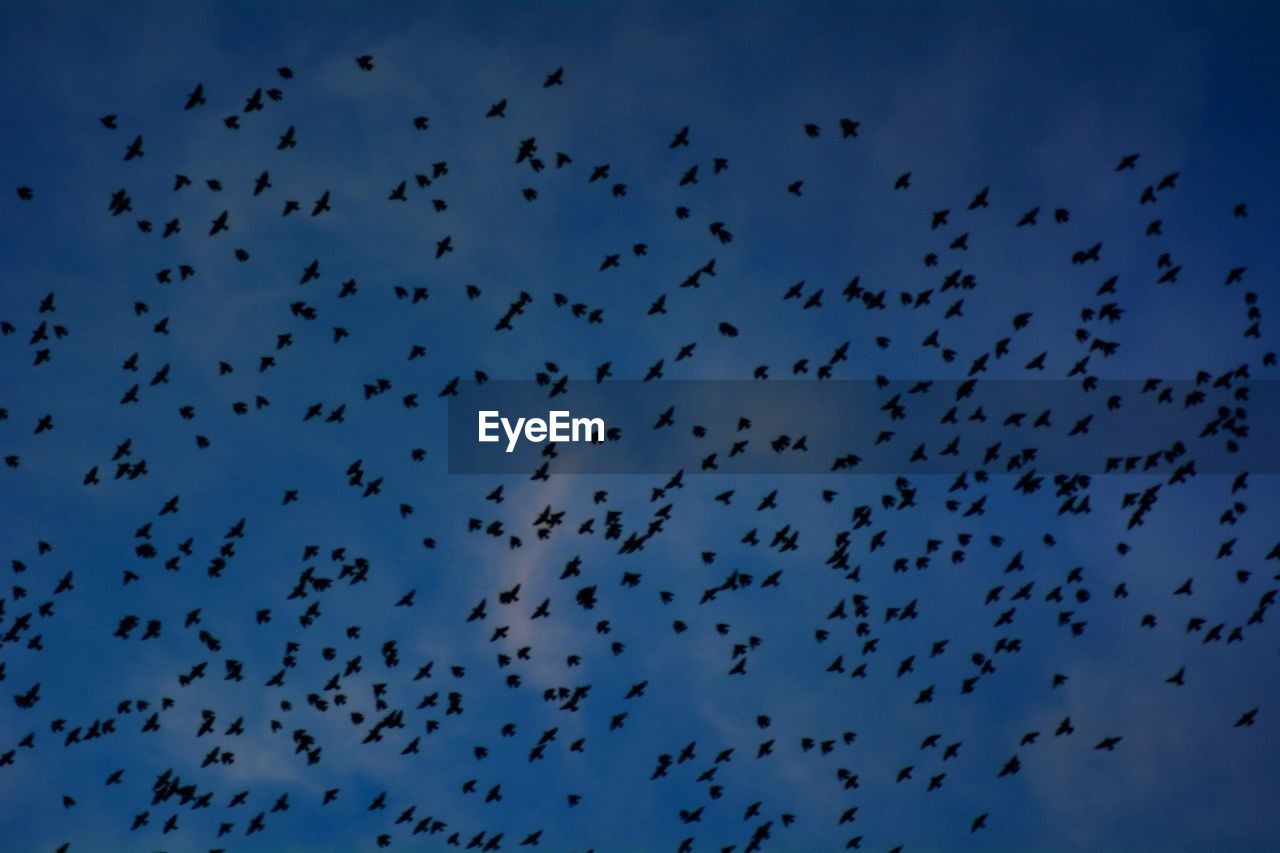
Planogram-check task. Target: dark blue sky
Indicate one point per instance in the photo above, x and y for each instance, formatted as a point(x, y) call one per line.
point(1037, 102)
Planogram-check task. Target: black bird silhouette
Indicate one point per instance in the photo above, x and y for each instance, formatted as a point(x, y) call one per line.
point(196, 97)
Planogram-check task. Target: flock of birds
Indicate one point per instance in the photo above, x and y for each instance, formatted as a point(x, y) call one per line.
point(338, 690)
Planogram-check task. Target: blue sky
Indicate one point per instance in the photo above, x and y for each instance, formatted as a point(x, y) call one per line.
point(1038, 102)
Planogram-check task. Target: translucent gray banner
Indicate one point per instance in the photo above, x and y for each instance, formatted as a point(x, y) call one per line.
point(1219, 425)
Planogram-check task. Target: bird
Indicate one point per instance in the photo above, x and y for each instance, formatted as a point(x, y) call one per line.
point(196, 97)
